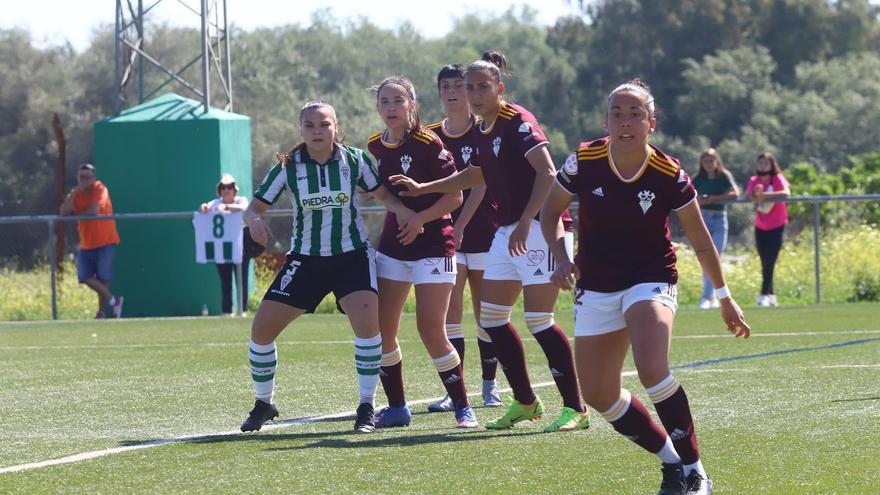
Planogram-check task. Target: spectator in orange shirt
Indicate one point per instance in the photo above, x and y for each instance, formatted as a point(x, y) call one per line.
point(97, 238)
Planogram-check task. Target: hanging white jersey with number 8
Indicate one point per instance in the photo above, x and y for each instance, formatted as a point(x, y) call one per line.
point(219, 237)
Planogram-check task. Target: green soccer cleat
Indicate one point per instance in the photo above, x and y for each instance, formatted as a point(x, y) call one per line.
point(517, 412)
point(570, 420)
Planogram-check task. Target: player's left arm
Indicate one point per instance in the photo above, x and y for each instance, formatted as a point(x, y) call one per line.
point(415, 224)
point(692, 223)
point(545, 172)
point(557, 201)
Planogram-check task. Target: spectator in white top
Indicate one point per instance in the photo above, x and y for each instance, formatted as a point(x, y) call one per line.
point(228, 201)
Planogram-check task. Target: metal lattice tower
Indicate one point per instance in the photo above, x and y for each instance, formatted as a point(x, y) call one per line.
point(131, 54)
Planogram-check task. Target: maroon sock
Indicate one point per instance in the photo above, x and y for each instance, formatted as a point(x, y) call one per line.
point(392, 383)
point(675, 413)
point(453, 380)
point(511, 355)
point(488, 359)
point(458, 343)
point(554, 343)
point(637, 425)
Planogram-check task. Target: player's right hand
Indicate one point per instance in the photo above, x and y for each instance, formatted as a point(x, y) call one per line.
point(566, 274)
point(260, 232)
point(413, 188)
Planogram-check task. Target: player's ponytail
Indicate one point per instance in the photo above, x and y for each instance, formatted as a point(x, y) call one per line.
point(493, 62)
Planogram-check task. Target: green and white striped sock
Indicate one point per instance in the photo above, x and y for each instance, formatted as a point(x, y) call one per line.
point(367, 355)
point(264, 359)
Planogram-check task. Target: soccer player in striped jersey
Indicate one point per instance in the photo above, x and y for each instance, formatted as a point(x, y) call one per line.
point(417, 251)
point(513, 160)
point(329, 252)
point(475, 224)
point(626, 276)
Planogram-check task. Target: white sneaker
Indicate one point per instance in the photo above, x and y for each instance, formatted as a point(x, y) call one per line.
point(716, 303)
point(763, 300)
point(705, 303)
point(771, 300)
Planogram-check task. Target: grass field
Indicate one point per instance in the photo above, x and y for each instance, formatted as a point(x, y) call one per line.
point(793, 410)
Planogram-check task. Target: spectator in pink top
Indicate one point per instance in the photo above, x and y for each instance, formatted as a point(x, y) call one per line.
point(765, 188)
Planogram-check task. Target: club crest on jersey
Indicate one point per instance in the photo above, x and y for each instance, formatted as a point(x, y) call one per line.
point(405, 160)
point(345, 171)
point(496, 145)
point(571, 164)
point(646, 198)
point(466, 153)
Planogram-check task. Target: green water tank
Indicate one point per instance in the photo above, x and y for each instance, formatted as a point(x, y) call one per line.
point(165, 155)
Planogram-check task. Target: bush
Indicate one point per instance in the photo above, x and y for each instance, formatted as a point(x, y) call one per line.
point(850, 268)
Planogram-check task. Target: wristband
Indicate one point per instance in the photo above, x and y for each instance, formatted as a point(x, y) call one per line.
point(723, 292)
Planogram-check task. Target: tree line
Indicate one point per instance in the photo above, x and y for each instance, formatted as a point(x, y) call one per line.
point(798, 78)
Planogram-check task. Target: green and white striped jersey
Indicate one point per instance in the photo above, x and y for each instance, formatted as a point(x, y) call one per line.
point(326, 220)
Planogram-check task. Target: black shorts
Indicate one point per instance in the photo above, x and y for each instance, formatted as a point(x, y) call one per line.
point(304, 281)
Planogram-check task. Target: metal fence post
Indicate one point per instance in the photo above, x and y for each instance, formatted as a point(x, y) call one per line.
point(52, 266)
point(816, 257)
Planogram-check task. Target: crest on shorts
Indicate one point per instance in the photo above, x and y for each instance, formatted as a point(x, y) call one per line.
point(466, 153)
point(646, 198)
point(535, 256)
point(288, 275)
point(496, 145)
point(405, 160)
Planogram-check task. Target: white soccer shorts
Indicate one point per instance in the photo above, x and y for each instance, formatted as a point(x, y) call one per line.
point(596, 313)
point(472, 261)
point(532, 268)
point(423, 271)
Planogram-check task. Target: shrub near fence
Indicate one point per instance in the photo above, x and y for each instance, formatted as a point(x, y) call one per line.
point(850, 273)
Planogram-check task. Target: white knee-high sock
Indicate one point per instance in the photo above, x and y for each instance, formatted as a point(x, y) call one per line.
point(264, 359)
point(367, 357)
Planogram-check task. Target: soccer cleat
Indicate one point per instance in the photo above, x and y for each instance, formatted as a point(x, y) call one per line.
point(517, 412)
point(673, 480)
point(466, 418)
point(570, 420)
point(698, 484)
point(100, 315)
point(262, 412)
point(491, 396)
point(117, 308)
point(390, 417)
point(364, 421)
point(442, 405)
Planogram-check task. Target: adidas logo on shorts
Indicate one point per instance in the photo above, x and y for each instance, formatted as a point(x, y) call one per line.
point(435, 272)
point(538, 272)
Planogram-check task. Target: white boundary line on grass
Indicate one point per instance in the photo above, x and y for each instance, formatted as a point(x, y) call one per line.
point(277, 425)
point(719, 335)
point(295, 422)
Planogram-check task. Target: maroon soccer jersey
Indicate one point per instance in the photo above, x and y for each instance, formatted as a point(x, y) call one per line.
point(423, 158)
point(481, 229)
point(501, 156)
point(623, 231)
